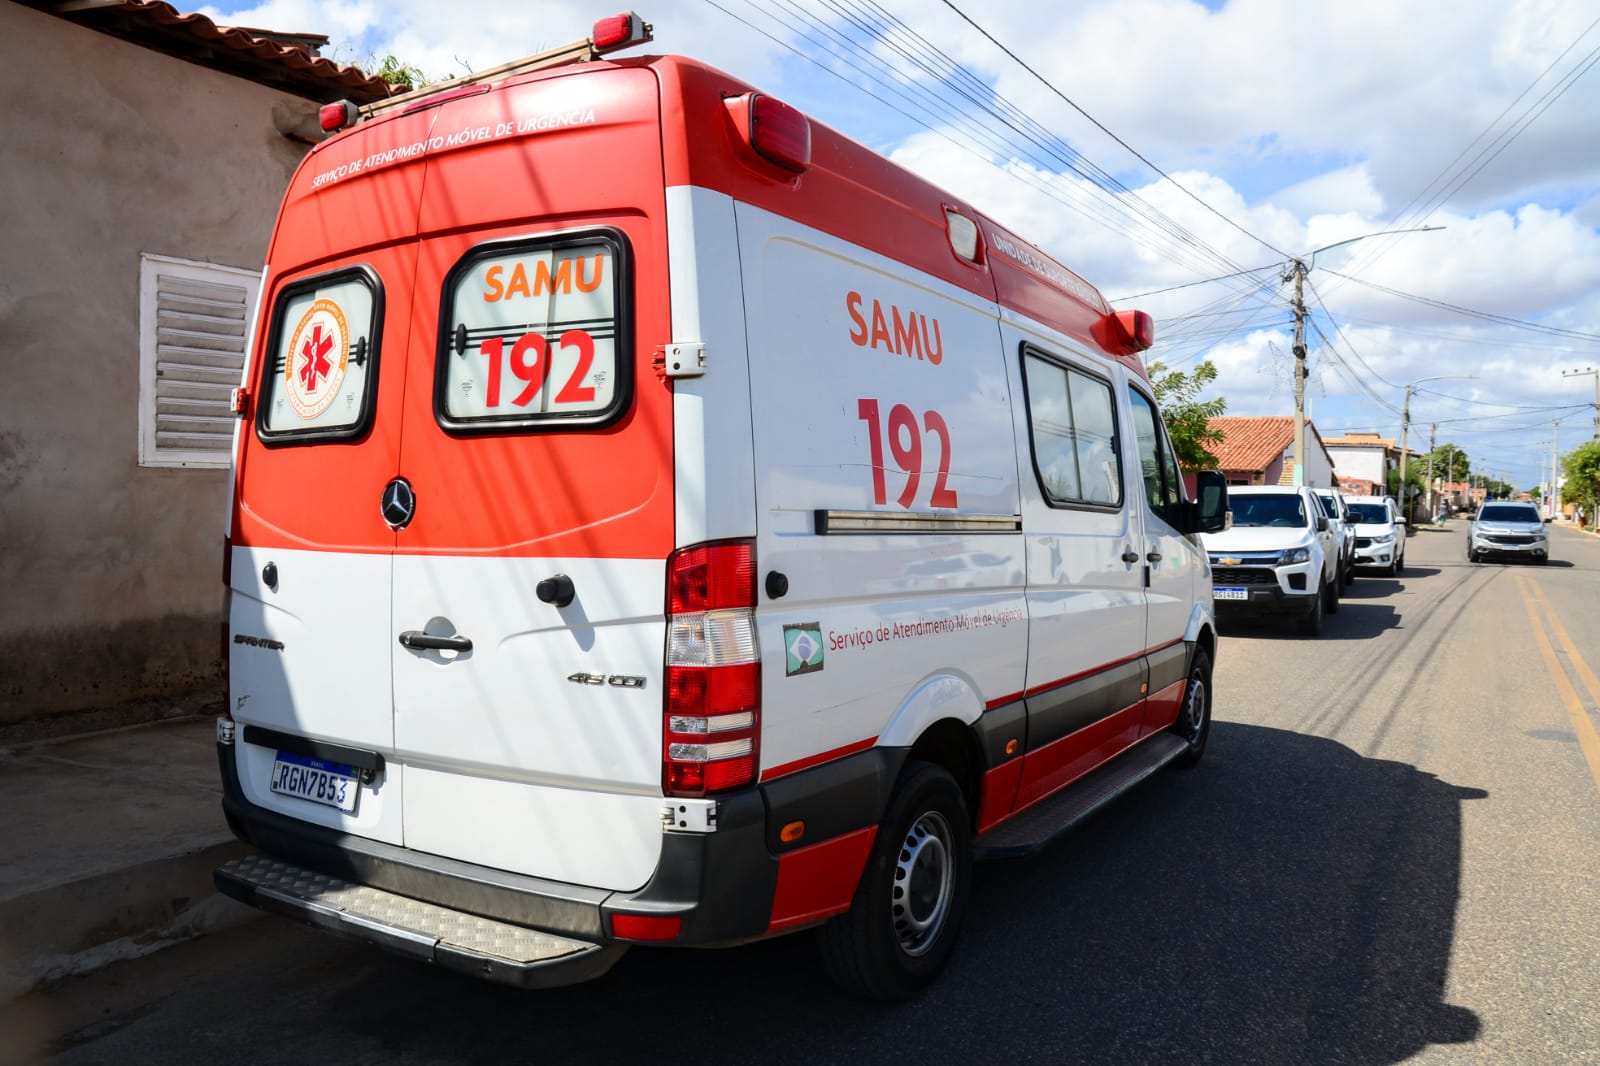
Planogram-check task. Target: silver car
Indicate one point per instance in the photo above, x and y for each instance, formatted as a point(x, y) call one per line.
point(1509, 530)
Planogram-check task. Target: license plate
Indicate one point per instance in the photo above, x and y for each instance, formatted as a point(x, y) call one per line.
point(328, 783)
point(1230, 594)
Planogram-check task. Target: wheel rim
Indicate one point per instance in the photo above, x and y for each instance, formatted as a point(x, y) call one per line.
point(1194, 710)
point(924, 880)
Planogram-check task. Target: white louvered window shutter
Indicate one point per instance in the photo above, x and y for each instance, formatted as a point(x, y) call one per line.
point(194, 325)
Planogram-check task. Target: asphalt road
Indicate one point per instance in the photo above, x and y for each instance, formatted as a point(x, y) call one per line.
point(1391, 852)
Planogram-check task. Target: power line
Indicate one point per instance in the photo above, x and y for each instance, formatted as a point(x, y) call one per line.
point(1554, 331)
point(1131, 150)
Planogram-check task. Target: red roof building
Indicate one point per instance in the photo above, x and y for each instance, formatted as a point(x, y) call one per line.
point(1260, 451)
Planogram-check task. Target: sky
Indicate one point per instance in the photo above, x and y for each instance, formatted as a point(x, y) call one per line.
point(1154, 146)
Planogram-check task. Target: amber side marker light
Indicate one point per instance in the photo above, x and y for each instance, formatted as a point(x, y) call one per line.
point(1011, 747)
point(792, 832)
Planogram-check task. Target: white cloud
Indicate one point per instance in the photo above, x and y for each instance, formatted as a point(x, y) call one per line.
point(1304, 123)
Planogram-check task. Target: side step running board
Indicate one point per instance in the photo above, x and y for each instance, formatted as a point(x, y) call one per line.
point(1043, 822)
point(453, 939)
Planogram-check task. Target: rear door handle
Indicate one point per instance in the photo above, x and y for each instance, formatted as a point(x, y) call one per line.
point(415, 638)
point(1154, 557)
point(1130, 556)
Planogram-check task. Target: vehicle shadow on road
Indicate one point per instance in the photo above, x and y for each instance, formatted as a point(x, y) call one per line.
point(1355, 620)
point(1287, 901)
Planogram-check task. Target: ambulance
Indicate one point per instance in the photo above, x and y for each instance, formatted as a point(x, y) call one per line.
point(658, 520)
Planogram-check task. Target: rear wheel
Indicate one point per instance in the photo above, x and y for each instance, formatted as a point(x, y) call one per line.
point(902, 925)
point(1194, 717)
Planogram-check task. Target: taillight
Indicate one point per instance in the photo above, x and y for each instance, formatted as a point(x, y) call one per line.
point(712, 708)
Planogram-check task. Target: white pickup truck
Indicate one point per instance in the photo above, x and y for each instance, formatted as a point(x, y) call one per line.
point(1278, 557)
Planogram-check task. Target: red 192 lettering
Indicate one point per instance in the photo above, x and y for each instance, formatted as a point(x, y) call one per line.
point(905, 445)
point(530, 362)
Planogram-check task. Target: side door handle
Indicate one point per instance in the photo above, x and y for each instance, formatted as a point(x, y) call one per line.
point(1154, 556)
point(415, 638)
point(1130, 556)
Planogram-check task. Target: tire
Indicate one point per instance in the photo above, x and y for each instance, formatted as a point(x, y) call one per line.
point(1350, 573)
point(1311, 624)
point(1194, 717)
point(1331, 602)
point(1399, 565)
point(902, 924)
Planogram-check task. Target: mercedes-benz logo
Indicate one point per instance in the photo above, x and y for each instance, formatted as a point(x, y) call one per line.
point(399, 503)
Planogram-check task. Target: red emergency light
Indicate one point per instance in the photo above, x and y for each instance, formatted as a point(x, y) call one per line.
point(619, 31)
point(1125, 332)
point(779, 133)
point(337, 115)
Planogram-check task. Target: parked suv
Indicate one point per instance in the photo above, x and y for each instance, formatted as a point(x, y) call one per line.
point(1278, 557)
point(1513, 530)
point(1379, 533)
point(1344, 536)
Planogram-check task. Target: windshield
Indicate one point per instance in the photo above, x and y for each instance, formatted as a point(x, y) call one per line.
point(1374, 513)
point(1279, 509)
point(1508, 512)
point(1329, 508)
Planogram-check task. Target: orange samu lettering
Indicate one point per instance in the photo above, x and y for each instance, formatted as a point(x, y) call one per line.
point(910, 335)
point(565, 276)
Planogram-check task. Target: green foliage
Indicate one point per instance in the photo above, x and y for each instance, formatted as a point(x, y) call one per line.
point(1187, 417)
point(1414, 479)
point(400, 73)
point(1582, 467)
point(1446, 463)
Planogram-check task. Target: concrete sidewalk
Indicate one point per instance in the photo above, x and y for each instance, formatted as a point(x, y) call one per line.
point(107, 845)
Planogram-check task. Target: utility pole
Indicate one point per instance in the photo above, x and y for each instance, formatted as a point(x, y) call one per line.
point(1299, 270)
point(1405, 431)
point(1555, 471)
point(1589, 371)
point(1433, 431)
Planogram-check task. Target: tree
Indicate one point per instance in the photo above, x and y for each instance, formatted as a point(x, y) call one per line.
point(1582, 467)
point(1446, 463)
point(1187, 417)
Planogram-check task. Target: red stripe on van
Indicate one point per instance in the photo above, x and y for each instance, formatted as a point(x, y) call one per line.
point(1102, 668)
point(819, 881)
point(817, 760)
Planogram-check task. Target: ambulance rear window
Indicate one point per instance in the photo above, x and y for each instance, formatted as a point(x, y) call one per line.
point(533, 336)
point(322, 358)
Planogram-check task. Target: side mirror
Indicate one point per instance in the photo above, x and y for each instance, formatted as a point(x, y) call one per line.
point(1322, 523)
point(1208, 514)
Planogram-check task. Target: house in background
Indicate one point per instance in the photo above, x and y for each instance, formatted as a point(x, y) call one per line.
point(1260, 451)
point(1366, 458)
point(146, 153)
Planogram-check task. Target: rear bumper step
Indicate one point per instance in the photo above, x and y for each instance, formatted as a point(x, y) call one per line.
point(453, 939)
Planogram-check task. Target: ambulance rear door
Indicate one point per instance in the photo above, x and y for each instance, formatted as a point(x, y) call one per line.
point(529, 585)
point(311, 547)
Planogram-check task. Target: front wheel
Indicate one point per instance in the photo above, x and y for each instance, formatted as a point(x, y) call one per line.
point(1331, 597)
point(1311, 624)
point(1194, 717)
point(902, 925)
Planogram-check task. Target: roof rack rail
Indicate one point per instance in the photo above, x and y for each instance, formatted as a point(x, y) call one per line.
point(608, 35)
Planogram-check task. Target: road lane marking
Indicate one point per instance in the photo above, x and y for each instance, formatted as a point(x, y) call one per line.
point(1588, 739)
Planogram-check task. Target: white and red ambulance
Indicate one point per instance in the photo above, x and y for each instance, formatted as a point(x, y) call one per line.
point(658, 519)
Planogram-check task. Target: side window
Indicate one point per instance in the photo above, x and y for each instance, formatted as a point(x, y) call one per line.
point(1163, 487)
point(321, 359)
point(533, 335)
point(1072, 422)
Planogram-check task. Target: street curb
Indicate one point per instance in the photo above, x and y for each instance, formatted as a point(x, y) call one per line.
point(63, 931)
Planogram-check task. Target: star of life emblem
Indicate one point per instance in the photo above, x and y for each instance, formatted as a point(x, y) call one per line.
point(318, 351)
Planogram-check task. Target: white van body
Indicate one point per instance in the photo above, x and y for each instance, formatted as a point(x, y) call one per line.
point(828, 517)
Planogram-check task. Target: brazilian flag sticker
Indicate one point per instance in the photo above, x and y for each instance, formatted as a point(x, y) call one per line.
point(802, 647)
